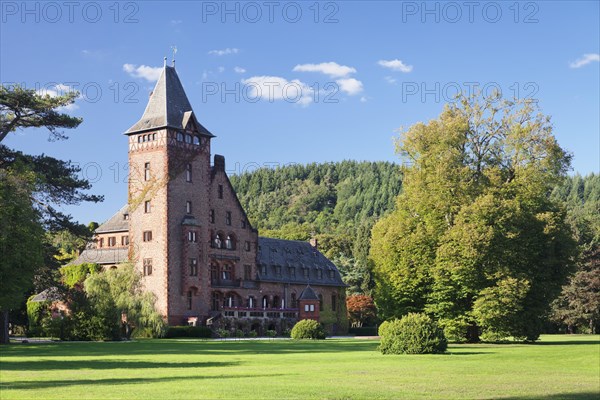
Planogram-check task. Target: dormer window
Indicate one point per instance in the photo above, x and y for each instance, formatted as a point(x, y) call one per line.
point(126, 217)
point(179, 137)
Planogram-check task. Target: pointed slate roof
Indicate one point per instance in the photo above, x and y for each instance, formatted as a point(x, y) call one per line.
point(308, 294)
point(168, 107)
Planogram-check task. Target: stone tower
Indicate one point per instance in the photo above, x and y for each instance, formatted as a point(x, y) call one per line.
point(169, 189)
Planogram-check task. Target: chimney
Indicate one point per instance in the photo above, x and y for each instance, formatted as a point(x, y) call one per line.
point(219, 163)
point(314, 243)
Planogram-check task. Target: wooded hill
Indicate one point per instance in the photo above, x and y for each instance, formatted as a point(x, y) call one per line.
point(339, 202)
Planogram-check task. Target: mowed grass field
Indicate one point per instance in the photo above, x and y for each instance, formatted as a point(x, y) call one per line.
point(558, 367)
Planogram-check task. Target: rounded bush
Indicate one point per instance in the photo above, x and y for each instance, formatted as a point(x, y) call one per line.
point(308, 329)
point(413, 334)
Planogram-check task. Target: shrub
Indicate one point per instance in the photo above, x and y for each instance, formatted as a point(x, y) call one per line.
point(188, 332)
point(271, 333)
point(413, 334)
point(252, 334)
point(455, 330)
point(223, 333)
point(239, 333)
point(308, 329)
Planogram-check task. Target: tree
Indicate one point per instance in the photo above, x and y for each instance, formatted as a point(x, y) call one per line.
point(118, 292)
point(20, 241)
point(361, 310)
point(39, 184)
point(474, 216)
point(25, 108)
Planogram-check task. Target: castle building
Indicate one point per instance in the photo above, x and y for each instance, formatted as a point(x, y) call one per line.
point(186, 232)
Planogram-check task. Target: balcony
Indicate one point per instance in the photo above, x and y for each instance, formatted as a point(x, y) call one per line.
point(272, 313)
point(225, 283)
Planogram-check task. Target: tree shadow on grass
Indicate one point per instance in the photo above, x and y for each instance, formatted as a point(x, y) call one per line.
point(100, 364)
point(559, 396)
point(29, 385)
point(566, 343)
point(172, 346)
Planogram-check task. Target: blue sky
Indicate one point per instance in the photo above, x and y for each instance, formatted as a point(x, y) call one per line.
point(353, 72)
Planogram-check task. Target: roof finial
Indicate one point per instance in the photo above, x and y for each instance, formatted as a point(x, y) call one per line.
point(174, 48)
point(165, 63)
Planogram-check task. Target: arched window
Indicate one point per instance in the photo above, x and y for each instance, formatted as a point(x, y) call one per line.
point(196, 140)
point(320, 302)
point(265, 302)
point(251, 302)
point(276, 302)
point(226, 273)
point(229, 300)
point(230, 242)
point(218, 242)
point(188, 138)
point(179, 137)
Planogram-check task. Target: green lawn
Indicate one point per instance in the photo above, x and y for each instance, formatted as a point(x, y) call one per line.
point(558, 367)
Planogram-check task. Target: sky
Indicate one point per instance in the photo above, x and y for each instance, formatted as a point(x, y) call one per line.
point(296, 82)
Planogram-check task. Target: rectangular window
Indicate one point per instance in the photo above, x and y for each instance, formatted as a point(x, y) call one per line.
point(147, 266)
point(147, 236)
point(243, 224)
point(147, 206)
point(101, 242)
point(319, 274)
point(192, 236)
point(248, 272)
point(228, 218)
point(112, 241)
point(188, 173)
point(263, 269)
point(247, 246)
point(193, 267)
point(220, 191)
point(331, 274)
point(124, 240)
point(278, 270)
point(292, 271)
point(188, 207)
point(306, 307)
point(305, 272)
point(211, 216)
point(147, 171)
point(312, 307)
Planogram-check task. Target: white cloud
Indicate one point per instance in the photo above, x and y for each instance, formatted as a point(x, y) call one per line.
point(395, 65)
point(390, 80)
point(224, 52)
point(332, 69)
point(239, 70)
point(363, 99)
point(586, 59)
point(221, 69)
point(176, 21)
point(151, 74)
point(274, 88)
point(350, 86)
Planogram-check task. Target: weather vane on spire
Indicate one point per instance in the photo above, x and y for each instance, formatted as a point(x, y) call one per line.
point(174, 48)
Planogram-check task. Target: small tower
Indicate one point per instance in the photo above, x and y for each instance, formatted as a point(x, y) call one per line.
point(308, 304)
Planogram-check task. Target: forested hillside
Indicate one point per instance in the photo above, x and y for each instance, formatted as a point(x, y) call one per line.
point(339, 203)
point(336, 202)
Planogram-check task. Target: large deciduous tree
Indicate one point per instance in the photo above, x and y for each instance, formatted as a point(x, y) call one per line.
point(475, 240)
